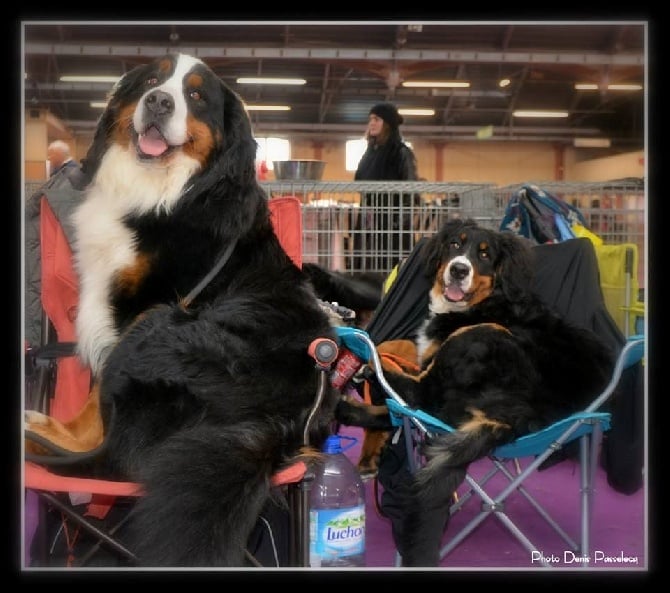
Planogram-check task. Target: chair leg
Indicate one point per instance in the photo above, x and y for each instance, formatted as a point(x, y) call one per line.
point(589, 445)
point(88, 526)
point(540, 509)
point(298, 501)
point(40, 547)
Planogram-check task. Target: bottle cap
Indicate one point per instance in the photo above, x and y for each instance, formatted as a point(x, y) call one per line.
point(333, 444)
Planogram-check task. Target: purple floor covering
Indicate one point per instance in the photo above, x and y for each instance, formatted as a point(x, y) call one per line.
point(619, 539)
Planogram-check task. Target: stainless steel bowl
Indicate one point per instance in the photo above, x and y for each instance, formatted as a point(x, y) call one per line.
point(311, 169)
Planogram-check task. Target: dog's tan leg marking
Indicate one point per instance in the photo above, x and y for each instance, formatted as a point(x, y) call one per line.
point(435, 346)
point(83, 433)
point(373, 443)
point(479, 420)
point(462, 330)
point(430, 351)
point(370, 408)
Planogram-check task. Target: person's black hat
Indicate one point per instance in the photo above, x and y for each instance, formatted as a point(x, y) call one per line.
point(389, 113)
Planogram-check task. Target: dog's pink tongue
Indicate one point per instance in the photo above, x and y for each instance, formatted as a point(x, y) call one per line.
point(454, 293)
point(152, 142)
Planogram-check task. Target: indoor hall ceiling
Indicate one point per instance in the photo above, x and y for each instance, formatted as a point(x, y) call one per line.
point(349, 66)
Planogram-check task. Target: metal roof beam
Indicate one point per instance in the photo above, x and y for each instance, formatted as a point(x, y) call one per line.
point(408, 129)
point(297, 53)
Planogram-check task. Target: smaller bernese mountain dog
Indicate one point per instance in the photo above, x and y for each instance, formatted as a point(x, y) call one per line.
point(495, 363)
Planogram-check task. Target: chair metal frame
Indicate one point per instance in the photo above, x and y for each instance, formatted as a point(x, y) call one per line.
point(586, 426)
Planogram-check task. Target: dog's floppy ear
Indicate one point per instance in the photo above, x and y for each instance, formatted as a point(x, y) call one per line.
point(239, 145)
point(234, 161)
point(100, 143)
point(515, 269)
point(109, 119)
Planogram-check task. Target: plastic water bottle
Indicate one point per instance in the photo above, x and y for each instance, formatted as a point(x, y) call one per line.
point(337, 510)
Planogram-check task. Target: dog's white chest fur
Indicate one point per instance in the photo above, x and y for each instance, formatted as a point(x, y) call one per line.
point(104, 245)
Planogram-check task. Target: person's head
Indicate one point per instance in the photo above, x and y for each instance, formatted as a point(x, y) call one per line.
point(58, 152)
point(383, 121)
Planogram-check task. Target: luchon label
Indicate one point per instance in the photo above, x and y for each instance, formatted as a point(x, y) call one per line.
point(336, 535)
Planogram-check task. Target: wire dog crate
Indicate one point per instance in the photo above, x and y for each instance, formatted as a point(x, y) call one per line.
point(370, 226)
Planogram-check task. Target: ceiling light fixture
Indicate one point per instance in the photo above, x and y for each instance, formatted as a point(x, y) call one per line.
point(538, 113)
point(268, 108)
point(504, 83)
point(592, 143)
point(444, 84)
point(624, 87)
point(410, 111)
point(589, 86)
point(259, 80)
point(87, 78)
point(98, 104)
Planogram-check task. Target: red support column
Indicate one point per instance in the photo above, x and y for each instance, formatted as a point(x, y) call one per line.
point(559, 162)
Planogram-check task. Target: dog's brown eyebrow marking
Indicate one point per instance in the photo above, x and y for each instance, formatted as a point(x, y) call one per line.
point(165, 65)
point(478, 420)
point(194, 80)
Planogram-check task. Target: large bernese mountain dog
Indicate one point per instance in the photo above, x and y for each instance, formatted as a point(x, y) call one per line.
point(194, 320)
point(495, 363)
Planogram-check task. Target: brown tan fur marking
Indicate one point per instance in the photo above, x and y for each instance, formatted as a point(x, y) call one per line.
point(373, 443)
point(124, 124)
point(466, 328)
point(128, 279)
point(479, 420)
point(483, 287)
point(201, 142)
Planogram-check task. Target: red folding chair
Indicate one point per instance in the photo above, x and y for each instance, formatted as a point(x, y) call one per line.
point(63, 386)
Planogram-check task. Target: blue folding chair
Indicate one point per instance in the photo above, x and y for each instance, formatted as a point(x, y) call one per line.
point(586, 426)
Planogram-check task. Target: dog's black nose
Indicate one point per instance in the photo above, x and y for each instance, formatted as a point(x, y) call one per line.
point(159, 103)
point(458, 271)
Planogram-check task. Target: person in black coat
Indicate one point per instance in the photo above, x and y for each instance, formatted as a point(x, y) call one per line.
point(382, 233)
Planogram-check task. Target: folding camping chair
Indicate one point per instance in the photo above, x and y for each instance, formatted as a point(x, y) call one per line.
point(586, 427)
point(62, 385)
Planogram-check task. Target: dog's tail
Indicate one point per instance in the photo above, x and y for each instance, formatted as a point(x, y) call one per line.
point(205, 488)
point(447, 458)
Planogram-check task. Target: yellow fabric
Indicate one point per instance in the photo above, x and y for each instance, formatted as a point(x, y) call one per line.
point(622, 303)
point(390, 279)
point(581, 231)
